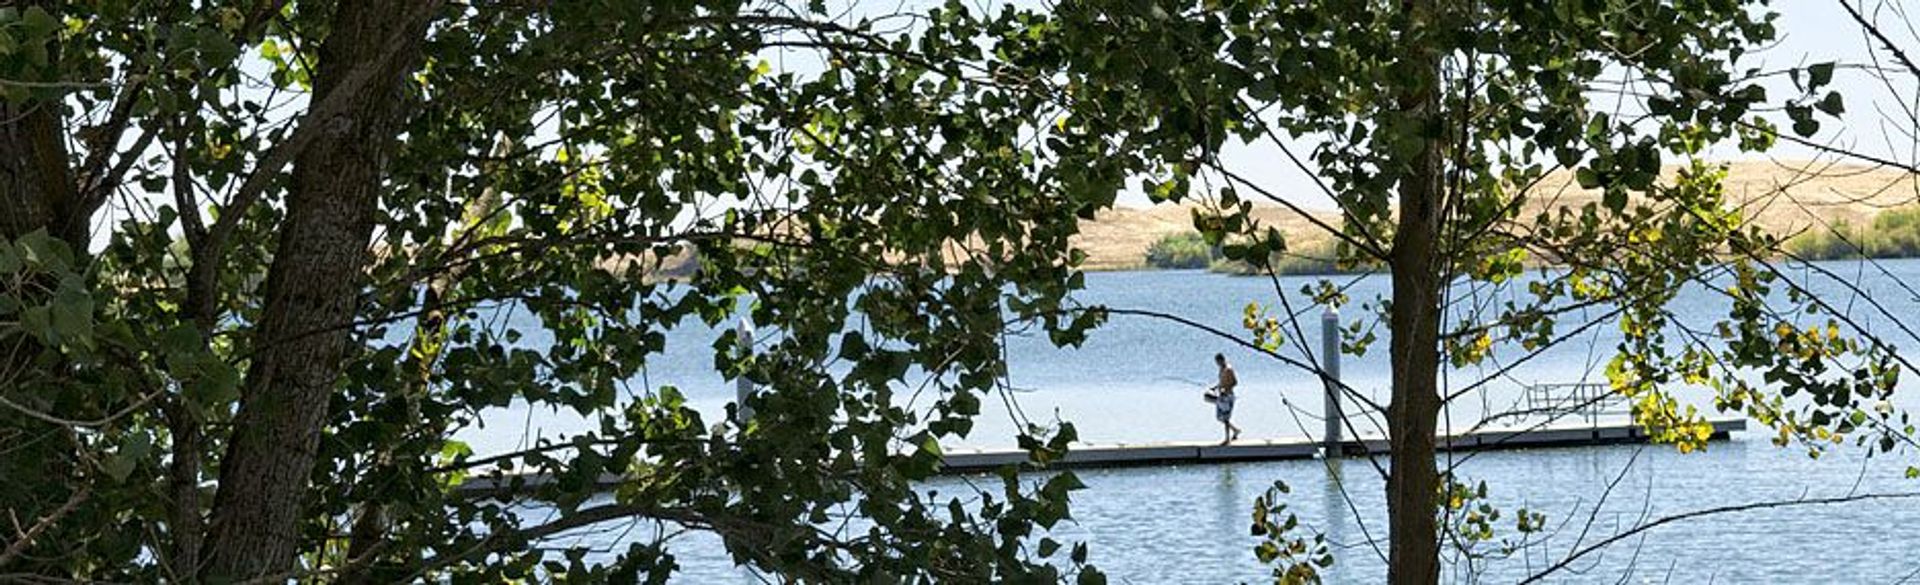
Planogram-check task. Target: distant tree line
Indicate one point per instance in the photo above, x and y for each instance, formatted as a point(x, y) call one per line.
point(1893, 233)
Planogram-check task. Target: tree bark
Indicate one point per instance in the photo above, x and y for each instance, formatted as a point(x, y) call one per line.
point(312, 289)
point(37, 190)
point(1418, 268)
point(183, 481)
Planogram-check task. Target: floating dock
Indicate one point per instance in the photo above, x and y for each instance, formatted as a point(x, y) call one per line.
point(1173, 453)
point(959, 461)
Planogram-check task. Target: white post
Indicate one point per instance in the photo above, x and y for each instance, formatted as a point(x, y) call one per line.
point(1330, 363)
point(743, 387)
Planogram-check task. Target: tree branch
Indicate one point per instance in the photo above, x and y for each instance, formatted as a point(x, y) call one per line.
point(19, 547)
point(1874, 30)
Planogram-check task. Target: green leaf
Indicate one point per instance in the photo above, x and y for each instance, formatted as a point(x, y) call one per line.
point(1065, 482)
point(9, 259)
point(1587, 178)
point(1659, 106)
point(1615, 199)
point(45, 252)
point(1806, 128)
point(38, 322)
point(71, 317)
point(965, 403)
point(1803, 122)
point(118, 467)
point(1832, 104)
point(123, 461)
point(853, 346)
point(451, 450)
point(1819, 75)
point(38, 23)
point(1091, 576)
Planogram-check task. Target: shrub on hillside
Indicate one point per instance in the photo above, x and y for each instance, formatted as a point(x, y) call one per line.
point(1318, 257)
point(1894, 233)
point(1841, 240)
point(1183, 250)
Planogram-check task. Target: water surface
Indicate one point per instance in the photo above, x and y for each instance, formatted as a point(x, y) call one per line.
point(1138, 379)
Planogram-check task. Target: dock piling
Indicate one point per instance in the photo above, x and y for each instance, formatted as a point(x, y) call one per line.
point(1330, 364)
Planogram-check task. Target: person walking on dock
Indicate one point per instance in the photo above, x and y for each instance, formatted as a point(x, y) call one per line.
point(1222, 395)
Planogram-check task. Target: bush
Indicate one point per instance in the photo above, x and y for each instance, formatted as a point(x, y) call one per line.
point(1183, 250)
point(1840, 241)
point(1318, 257)
point(1894, 233)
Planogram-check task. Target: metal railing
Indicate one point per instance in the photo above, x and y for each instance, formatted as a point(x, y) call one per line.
point(1588, 400)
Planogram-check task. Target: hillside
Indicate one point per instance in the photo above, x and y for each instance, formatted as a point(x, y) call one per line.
point(1782, 197)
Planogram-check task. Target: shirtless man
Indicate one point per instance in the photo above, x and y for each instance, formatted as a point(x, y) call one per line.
point(1223, 401)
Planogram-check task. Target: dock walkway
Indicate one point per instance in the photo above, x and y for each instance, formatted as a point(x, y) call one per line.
point(957, 461)
point(1169, 453)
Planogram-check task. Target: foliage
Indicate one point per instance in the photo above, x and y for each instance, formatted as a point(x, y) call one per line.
point(1840, 240)
point(1320, 259)
point(1185, 250)
point(1473, 523)
point(893, 211)
point(1315, 258)
point(1296, 560)
point(551, 154)
point(1431, 120)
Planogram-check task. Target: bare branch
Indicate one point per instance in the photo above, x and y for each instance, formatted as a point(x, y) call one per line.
point(1874, 30)
point(19, 547)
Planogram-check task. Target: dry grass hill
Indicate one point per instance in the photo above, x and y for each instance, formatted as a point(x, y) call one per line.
point(1784, 197)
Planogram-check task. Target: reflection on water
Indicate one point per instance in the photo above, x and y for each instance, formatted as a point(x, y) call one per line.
point(1335, 499)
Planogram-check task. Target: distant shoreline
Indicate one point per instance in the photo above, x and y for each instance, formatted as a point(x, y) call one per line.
point(1383, 270)
point(1781, 197)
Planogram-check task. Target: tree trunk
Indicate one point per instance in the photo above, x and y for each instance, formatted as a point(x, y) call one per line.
point(1413, 486)
point(312, 289)
point(183, 481)
point(37, 190)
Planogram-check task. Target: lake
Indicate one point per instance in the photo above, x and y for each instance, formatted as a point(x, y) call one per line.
point(1138, 379)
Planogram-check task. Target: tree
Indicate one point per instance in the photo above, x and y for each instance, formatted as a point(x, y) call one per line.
point(256, 368)
point(310, 209)
point(313, 284)
point(1433, 123)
